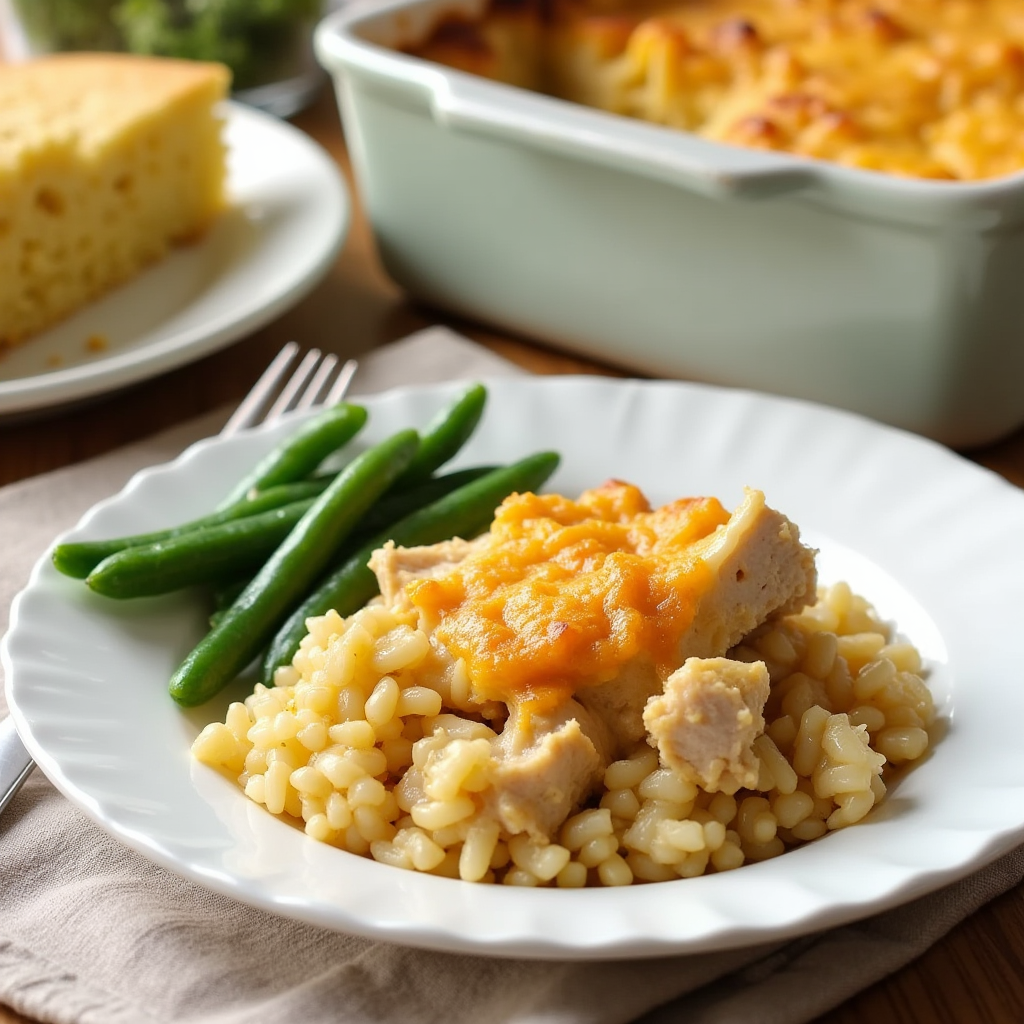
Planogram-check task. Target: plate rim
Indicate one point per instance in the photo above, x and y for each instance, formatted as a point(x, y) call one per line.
point(108, 373)
point(908, 885)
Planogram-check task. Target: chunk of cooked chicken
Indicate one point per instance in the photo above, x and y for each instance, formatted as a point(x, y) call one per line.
point(706, 719)
point(760, 569)
point(396, 566)
point(545, 765)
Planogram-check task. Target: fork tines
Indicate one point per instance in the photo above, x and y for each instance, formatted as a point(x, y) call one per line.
point(317, 380)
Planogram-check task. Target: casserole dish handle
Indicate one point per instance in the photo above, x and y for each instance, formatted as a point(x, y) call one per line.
point(666, 154)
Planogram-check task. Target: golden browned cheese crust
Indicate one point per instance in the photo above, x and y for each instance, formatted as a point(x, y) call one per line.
point(106, 160)
point(920, 88)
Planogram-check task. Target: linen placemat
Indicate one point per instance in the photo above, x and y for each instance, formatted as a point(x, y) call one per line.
point(92, 933)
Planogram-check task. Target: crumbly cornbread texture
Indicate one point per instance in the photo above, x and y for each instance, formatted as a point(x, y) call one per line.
point(106, 160)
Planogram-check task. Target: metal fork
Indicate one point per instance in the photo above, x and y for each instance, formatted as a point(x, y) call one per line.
point(316, 381)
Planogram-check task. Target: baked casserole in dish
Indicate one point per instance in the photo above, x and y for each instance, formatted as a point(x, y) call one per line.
point(926, 88)
point(819, 198)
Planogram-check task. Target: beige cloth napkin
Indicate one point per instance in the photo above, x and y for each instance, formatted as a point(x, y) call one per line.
point(91, 932)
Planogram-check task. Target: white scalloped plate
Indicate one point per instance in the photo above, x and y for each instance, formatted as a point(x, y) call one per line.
point(288, 214)
point(937, 543)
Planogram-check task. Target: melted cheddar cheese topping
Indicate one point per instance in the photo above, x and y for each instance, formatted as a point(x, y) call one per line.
point(565, 592)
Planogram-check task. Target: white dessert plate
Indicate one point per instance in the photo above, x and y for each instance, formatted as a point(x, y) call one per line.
point(289, 211)
point(935, 541)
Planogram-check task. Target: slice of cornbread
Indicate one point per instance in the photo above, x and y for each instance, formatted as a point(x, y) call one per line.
point(106, 160)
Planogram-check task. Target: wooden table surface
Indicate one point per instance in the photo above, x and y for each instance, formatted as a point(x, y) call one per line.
point(975, 974)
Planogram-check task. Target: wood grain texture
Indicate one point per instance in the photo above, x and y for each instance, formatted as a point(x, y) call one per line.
point(973, 976)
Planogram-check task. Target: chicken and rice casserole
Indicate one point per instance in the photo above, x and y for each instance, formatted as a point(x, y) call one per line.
point(594, 692)
point(922, 88)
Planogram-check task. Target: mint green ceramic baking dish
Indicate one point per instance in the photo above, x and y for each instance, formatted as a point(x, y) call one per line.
point(675, 256)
